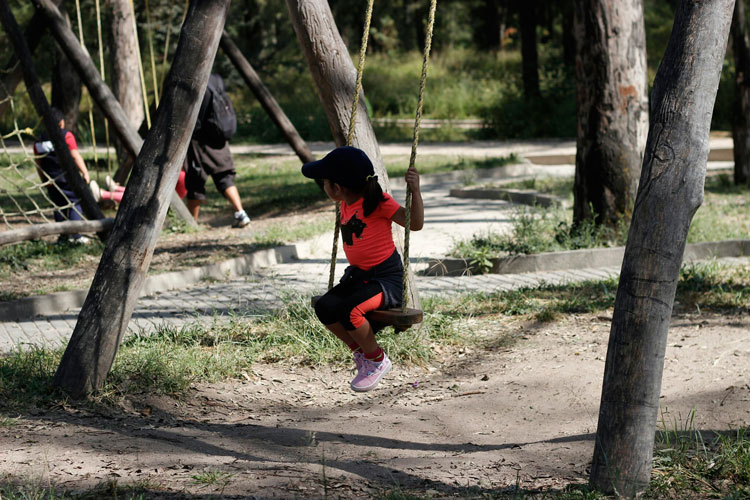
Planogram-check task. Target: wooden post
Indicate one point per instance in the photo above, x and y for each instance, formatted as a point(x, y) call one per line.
point(265, 98)
point(72, 174)
point(670, 191)
point(114, 291)
point(100, 92)
point(335, 78)
point(14, 71)
point(36, 231)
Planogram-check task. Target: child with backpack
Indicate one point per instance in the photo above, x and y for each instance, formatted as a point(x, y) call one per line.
point(374, 277)
point(209, 155)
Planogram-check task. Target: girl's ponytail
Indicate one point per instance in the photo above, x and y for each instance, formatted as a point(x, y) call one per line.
point(373, 195)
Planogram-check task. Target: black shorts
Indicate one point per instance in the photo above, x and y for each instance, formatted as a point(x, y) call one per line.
point(204, 161)
point(343, 303)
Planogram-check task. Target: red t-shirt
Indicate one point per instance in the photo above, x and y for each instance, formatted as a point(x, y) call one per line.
point(368, 241)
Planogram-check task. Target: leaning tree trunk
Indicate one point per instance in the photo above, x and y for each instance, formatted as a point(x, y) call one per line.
point(741, 121)
point(66, 86)
point(529, 54)
point(100, 92)
point(114, 291)
point(612, 108)
point(670, 191)
point(266, 100)
point(335, 78)
point(13, 72)
point(125, 67)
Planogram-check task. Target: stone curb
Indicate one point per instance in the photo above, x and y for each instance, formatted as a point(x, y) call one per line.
point(511, 195)
point(29, 307)
point(574, 259)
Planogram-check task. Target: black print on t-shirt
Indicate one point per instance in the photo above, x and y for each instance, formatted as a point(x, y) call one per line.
point(353, 227)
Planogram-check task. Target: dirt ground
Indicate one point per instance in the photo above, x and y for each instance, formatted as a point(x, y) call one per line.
point(214, 242)
point(477, 420)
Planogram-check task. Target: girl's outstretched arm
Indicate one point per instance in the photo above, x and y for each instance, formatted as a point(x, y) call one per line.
point(417, 206)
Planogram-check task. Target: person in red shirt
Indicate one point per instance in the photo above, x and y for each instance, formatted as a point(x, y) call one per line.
point(68, 206)
point(373, 279)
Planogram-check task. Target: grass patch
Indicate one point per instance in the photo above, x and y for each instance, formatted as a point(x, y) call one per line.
point(725, 214)
point(280, 234)
point(700, 467)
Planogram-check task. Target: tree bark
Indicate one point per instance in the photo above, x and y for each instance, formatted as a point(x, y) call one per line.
point(529, 55)
point(114, 291)
point(101, 93)
point(39, 100)
point(66, 86)
point(611, 77)
point(670, 191)
point(266, 100)
point(14, 72)
point(335, 78)
point(125, 67)
point(741, 122)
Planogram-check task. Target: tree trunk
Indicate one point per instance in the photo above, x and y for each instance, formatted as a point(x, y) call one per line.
point(740, 124)
point(100, 92)
point(66, 86)
point(266, 100)
point(612, 86)
point(670, 191)
point(14, 72)
point(39, 100)
point(125, 67)
point(335, 78)
point(568, 37)
point(529, 56)
point(114, 291)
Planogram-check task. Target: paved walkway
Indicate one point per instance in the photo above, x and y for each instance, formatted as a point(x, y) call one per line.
point(447, 220)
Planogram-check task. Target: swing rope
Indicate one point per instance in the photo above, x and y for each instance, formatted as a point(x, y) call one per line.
point(350, 135)
point(415, 141)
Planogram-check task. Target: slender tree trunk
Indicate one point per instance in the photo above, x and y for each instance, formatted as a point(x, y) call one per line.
point(114, 291)
point(612, 86)
point(14, 72)
point(740, 123)
point(568, 36)
point(126, 86)
point(100, 92)
point(670, 191)
point(335, 78)
point(265, 98)
point(39, 100)
point(529, 54)
point(66, 86)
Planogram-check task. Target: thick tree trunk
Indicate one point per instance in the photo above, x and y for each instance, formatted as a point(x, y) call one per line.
point(335, 78)
point(100, 92)
point(611, 77)
point(125, 67)
point(66, 86)
point(39, 100)
point(670, 191)
point(14, 72)
point(741, 122)
point(124, 263)
point(529, 55)
point(265, 98)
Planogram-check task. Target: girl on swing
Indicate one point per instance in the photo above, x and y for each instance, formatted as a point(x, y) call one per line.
point(373, 279)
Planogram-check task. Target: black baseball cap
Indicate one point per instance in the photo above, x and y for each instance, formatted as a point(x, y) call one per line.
point(346, 166)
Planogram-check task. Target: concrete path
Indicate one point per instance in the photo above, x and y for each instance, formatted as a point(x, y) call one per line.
point(447, 220)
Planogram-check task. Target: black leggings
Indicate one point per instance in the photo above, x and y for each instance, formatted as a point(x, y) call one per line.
point(340, 303)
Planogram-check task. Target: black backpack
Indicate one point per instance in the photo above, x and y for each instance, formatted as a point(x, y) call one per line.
point(218, 122)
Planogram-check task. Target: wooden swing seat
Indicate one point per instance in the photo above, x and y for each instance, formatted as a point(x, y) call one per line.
point(396, 318)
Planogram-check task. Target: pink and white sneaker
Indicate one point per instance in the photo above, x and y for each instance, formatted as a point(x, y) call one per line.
point(359, 360)
point(370, 374)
